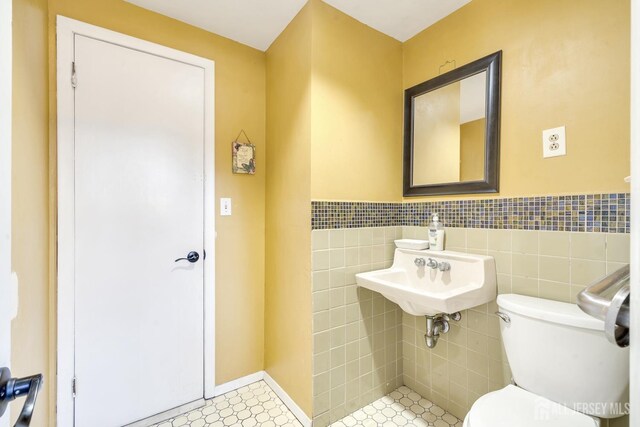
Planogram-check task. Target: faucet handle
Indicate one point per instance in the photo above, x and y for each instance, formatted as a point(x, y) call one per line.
point(444, 266)
point(419, 262)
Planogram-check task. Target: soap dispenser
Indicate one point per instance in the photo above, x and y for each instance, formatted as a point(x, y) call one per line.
point(436, 234)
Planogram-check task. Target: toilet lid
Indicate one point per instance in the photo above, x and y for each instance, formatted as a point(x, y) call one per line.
point(515, 407)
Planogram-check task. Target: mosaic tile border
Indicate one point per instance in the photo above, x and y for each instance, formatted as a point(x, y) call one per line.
point(608, 213)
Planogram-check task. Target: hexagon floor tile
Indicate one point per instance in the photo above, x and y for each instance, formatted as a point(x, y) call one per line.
point(402, 407)
point(253, 405)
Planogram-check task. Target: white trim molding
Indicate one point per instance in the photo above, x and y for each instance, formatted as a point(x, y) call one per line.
point(287, 400)
point(171, 413)
point(238, 383)
point(279, 391)
point(66, 31)
point(634, 397)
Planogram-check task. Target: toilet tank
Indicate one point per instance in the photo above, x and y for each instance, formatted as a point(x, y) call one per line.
point(557, 351)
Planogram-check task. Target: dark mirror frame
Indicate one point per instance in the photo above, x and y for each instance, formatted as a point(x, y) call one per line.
point(492, 65)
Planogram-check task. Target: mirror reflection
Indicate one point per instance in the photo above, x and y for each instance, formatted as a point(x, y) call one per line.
point(449, 132)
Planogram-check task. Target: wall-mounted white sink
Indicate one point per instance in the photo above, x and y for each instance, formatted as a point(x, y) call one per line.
point(427, 290)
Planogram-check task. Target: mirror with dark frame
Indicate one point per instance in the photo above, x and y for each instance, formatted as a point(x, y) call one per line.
point(452, 131)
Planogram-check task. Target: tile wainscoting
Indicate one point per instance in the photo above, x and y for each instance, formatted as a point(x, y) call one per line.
point(365, 346)
point(469, 361)
point(357, 334)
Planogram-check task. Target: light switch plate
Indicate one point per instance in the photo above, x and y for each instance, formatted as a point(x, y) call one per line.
point(225, 206)
point(554, 142)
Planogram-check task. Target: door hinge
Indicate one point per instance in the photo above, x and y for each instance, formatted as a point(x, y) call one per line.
point(74, 77)
point(74, 387)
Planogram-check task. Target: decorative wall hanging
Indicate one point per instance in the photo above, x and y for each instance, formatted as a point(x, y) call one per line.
point(243, 155)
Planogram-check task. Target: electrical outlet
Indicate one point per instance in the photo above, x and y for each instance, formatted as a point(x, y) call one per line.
point(554, 142)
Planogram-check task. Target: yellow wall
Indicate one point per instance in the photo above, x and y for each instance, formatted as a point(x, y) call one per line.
point(564, 63)
point(334, 126)
point(356, 143)
point(30, 201)
point(333, 95)
point(240, 104)
point(472, 150)
point(288, 347)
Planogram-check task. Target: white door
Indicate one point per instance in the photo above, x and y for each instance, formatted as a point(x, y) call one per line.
point(6, 291)
point(139, 159)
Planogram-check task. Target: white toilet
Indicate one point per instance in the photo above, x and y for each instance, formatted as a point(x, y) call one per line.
point(567, 373)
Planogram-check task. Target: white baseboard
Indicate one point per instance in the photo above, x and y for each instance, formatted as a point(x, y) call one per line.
point(287, 400)
point(237, 383)
point(279, 391)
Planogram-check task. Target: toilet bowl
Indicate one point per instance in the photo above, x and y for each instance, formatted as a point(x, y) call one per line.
point(567, 373)
point(515, 407)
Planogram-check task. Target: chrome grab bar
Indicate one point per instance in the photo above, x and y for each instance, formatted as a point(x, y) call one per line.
point(12, 388)
point(614, 311)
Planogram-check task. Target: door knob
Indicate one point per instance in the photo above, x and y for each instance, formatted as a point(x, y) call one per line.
point(192, 257)
point(12, 388)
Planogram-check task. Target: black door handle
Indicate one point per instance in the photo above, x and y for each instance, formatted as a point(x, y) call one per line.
point(12, 388)
point(192, 257)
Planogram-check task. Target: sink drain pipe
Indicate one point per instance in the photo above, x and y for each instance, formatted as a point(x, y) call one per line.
point(438, 324)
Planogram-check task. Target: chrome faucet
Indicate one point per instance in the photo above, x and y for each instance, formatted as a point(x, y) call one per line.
point(444, 266)
point(432, 264)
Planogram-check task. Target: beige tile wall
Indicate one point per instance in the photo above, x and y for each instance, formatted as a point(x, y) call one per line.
point(357, 333)
point(469, 361)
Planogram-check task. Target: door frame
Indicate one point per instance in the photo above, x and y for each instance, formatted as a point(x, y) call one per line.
point(634, 396)
point(66, 30)
point(6, 64)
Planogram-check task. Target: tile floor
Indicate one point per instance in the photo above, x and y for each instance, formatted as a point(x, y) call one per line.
point(402, 407)
point(257, 405)
point(253, 405)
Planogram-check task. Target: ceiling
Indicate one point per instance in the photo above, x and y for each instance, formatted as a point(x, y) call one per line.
point(400, 19)
point(257, 23)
